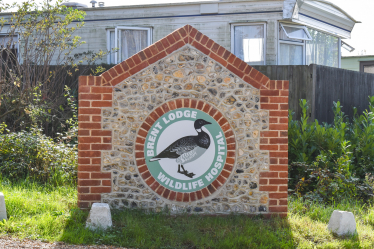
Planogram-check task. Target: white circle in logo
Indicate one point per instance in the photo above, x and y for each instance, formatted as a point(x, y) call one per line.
point(178, 130)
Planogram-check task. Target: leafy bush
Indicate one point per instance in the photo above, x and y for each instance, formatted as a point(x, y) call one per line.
point(32, 155)
point(328, 162)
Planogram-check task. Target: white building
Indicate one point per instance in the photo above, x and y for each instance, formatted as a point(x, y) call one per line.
point(260, 32)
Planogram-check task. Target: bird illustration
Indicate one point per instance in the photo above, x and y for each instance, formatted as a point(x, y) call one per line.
point(187, 149)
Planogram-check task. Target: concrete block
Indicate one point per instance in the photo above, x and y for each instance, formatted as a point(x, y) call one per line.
point(342, 223)
point(99, 216)
point(2, 207)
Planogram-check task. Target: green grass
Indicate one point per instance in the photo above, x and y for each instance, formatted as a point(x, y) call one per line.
point(51, 214)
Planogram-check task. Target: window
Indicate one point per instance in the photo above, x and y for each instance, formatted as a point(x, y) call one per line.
point(248, 42)
point(324, 49)
point(9, 47)
point(124, 42)
point(347, 47)
point(292, 44)
point(367, 66)
point(293, 32)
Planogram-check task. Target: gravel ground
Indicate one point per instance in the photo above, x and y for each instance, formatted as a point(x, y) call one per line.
point(8, 242)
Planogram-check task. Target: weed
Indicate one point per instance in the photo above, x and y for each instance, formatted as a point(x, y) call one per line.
point(50, 213)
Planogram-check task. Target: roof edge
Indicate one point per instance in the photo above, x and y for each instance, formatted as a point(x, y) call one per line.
point(337, 7)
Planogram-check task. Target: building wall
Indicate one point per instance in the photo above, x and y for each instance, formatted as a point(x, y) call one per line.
point(216, 26)
point(186, 69)
point(353, 62)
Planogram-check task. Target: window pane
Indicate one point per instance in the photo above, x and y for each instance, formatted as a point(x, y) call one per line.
point(290, 54)
point(369, 69)
point(131, 42)
point(249, 43)
point(296, 33)
point(323, 49)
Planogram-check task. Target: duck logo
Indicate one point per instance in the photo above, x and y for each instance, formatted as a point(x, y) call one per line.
point(185, 150)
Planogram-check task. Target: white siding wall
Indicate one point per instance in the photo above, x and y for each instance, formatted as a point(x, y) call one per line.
point(217, 27)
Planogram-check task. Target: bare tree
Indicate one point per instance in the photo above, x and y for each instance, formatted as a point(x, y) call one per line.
point(37, 56)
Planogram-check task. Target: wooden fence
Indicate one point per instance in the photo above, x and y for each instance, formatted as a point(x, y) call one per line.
point(321, 86)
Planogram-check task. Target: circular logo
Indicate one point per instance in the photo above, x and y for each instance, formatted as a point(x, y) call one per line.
point(185, 150)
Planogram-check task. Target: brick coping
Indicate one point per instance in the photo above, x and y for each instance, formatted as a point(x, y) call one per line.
point(228, 165)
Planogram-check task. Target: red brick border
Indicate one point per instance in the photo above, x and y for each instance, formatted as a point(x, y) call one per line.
point(96, 92)
point(176, 40)
point(92, 140)
point(275, 181)
point(153, 117)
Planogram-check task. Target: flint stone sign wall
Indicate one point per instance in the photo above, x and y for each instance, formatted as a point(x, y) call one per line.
point(184, 125)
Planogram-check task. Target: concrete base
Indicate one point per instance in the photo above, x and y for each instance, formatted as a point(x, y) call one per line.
point(2, 207)
point(99, 217)
point(342, 223)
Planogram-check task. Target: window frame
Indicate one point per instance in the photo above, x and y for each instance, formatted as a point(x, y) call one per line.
point(296, 26)
point(351, 49)
point(108, 44)
point(365, 63)
point(292, 43)
point(17, 44)
point(302, 42)
point(232, 32)
point(117, 36)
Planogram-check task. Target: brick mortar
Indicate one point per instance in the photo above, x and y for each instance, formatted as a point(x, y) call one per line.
point(216, 194)
point(247, 74)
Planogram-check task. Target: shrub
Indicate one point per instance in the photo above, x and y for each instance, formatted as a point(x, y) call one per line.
point(32, 155)
point(331, 161)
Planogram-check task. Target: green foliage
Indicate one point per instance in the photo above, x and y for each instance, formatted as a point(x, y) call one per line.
point(32, 78)
point(48, 213)
point(32, 155)
point(329, 162)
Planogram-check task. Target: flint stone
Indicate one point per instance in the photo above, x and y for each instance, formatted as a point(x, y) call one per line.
point(2, 207)
point(342, 223)
point(99, 217)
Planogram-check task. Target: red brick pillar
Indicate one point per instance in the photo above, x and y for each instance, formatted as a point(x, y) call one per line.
point(275, 181)
point(92, 182)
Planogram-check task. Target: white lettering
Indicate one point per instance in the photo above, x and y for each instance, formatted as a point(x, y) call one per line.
point(171, 184)
point(171, 116)
point(189, 186)
point(220, 141)
point(167, 181)
point(219, 159)
point(178, 185)
point(154, 132)
point(218, 165)
point(214, 171)
point(152, 138)
point(187, 113)
point(221, 147)
point(184, 186)
point(165, 120)
point(150, 153)
point(219, 135)
point(162, 177)
point(193, 114)
point(194, 184)
point(150, 145)
point(209, 177)
point(158, 125)
point(200, 182)
point(179, 114)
